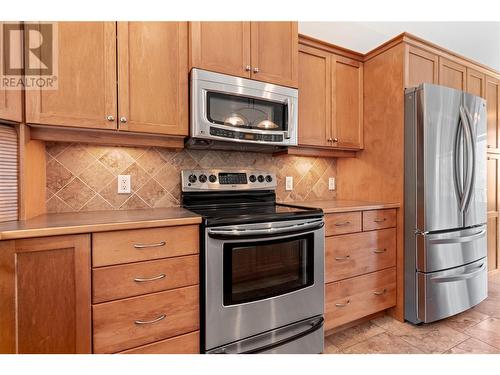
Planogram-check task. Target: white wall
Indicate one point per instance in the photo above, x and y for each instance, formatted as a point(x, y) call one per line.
point(479, 41)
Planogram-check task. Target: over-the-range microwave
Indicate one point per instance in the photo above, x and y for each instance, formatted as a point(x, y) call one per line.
point(238, 113)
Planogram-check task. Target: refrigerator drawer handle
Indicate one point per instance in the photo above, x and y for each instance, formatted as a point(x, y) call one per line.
point(470, 238)
point(462, 276)
point(340, 259)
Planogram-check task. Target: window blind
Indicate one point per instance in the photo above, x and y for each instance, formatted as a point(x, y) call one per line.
point(8, 173)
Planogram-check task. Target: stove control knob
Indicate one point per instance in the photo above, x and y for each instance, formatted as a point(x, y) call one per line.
point(192, 178)
point(260, 178)
point(202, 178)
point(269, 178)
point(212, 178)
point(252, 178)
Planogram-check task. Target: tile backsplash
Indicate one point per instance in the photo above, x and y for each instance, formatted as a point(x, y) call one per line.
point(83, 177)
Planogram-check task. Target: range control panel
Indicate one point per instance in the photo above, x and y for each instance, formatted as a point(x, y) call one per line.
point(218, 179)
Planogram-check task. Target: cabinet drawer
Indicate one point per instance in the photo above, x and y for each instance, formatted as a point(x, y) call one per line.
point(341, 223)
point(136, 321)
point(128, 280)
point(359, 253)
point(128, 246)
point(379, 219)
point(184, 344)
point(351, 299)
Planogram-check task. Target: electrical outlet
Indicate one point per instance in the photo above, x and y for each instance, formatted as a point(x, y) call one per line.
point(331, 183)
point(289, 183)
point(124, 184)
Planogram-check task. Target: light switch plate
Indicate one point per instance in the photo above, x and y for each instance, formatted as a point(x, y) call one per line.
point(331, 183)
point(124, 184)
point(289, 183)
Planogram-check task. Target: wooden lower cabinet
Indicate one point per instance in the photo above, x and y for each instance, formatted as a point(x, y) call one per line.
point(342, 223)
point(354, 298)
point(493, 238)
point(45, 295)
point(183, 344)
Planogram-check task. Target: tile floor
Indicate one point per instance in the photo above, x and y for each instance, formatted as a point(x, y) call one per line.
point(476, 331)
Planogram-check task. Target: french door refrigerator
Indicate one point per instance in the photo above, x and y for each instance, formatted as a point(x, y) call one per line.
point(445, 202)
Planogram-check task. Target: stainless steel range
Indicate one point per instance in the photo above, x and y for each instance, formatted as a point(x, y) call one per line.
point(262, 265)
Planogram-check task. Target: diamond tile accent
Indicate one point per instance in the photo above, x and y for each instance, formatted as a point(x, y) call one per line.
point(57, 176)
point(116, 160)
point(76, 194)
point(75, 158)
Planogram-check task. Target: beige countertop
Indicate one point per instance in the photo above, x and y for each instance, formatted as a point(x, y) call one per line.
point(98, 221)
point(334, 205)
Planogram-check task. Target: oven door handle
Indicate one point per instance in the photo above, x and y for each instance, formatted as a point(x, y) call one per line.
point(239, 232)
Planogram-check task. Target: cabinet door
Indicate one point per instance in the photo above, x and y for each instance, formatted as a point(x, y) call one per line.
point(347, 107)
point(86, 76)
point(45, 294)
point(422, 67)
point(492, 96)
point(222, 47)
point(492, 185)
point(11, 100)
point(153, 77)
point(315, 97)
point(475, 82)
point(452, 74)
point(274, 52)
point(493, 253)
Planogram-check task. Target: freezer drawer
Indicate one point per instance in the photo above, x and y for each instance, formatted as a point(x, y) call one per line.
point(440, 251)
point(446, 293)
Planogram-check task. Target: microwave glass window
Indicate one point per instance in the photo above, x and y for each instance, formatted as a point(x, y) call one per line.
point(259, 270)
point(241, 112)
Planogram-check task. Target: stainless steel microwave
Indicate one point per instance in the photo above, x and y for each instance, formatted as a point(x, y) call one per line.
point(230, 110)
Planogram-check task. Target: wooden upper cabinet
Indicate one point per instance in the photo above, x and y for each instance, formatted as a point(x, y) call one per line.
point(476, 83)
point(11, 108)
point(265, 51)
point(492, 96)
point(315, 97)
point(153, 77)
point(45, 292)
point(452, 75)
point(222, 47)
point(86, 77)
point(274, 52)
point(347, 95)
point(422, 67)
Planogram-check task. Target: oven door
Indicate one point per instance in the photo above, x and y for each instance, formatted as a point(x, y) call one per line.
point(260, 277)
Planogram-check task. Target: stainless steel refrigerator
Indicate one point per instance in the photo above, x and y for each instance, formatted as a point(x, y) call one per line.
point(445, 202)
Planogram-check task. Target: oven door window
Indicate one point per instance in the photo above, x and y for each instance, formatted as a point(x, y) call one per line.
point(246, 113)
point(258, 270)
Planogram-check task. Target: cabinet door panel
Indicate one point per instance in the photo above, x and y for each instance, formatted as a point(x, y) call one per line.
point(153, 77)
point(315, 97)
point(45, 293)
point(86, 77)
point(422, 67)
point(493, 253)
point(347, 98)
point(492, 187)
point(274, 52)
point(222, 47)
point(11, 100)
point(452, 74)
point(492, 96)
point(475, 82)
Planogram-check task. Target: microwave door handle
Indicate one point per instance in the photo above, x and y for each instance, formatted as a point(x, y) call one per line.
point(288, 134)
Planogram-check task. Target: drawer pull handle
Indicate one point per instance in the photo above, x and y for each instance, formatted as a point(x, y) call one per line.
point(381, 292)
point(343, 304)
point(380, 220)
point(145, 279)
point(146, 245)
point(160, 318)
point(379, 251)
point(342, 223)
point(340, 259)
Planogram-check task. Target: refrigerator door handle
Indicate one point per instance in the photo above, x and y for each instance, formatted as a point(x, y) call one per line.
point(472, 237)
point(459, 277)
point(458, 176)
point(470, 159)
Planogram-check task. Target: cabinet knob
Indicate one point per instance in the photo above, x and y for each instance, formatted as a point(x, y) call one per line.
point(110, 118)
point(330, 140)
point(248, 68)
point(335, 139)
point(123, 120)
point(255, 70)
